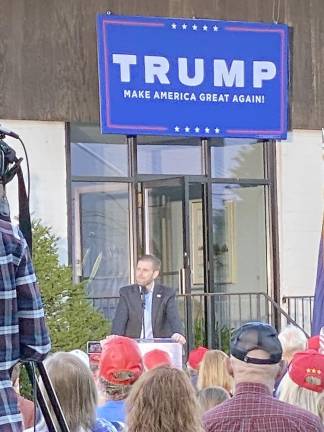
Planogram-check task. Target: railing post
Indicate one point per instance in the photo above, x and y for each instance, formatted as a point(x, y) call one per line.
point(227, 309)
point(209, 319)
point(268, 314)
point(258, 306)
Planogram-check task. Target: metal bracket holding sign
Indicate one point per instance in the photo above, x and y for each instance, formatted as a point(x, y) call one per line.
point(192, 77)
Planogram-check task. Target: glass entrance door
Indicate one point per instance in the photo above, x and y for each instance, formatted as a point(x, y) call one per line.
point(172, 229)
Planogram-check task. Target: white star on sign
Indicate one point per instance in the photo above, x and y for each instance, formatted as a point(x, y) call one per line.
point(205, 28)
point(174, 25)
point(187, 129)
point(215, 28)
point(207, 130)
point(216, 130)
point(177, 128)
point(194, 27)
point(184, 26)
point(197, 129)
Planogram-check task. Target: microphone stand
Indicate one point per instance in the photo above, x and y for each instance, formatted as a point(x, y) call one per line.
point(143, 291)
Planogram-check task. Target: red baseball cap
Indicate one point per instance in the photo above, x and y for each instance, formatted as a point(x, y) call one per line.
point(156, 358)
point(313, 343)
point(120, 361)
point(195, 357)
point(307, 370)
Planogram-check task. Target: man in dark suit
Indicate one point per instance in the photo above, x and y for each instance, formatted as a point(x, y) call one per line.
point(148, 309)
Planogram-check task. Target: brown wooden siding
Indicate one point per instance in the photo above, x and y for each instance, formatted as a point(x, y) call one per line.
point(48, 60)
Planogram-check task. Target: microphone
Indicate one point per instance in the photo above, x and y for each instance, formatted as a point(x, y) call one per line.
point(5, 131)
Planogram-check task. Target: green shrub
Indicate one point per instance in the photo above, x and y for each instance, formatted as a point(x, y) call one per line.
point(223, 336)
point(71, 319)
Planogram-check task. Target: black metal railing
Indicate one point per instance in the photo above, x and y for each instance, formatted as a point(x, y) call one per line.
point(210, 318)
point(300, 308)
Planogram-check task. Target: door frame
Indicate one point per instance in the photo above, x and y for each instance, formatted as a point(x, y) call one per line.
point(185, 272)
point(185, 182)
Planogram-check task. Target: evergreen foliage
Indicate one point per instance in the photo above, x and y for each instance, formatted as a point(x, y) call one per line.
point(71, 319)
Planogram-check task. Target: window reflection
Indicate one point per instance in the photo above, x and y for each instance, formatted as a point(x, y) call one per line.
point(163, 229)
point(237, 159)
point(160, 155)
point(101, 212)
point(91, 159)
point(95, 154)
point(239, 251)
point(239, 238)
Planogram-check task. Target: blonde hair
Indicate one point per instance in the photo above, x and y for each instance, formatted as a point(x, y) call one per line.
point(75, 389)
point(163, 400)
point(292, 340)
point(209, 397)
point(213, 371)
point(299, 396)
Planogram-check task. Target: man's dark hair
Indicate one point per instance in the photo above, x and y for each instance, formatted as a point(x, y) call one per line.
point(156, 262)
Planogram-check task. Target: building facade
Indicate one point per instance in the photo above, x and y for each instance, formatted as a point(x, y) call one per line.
point(224, 215)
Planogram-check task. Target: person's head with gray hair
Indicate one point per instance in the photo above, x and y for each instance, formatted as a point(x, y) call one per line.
point(209, 397)
point(256, 363)
point(293, 340)
point(256, 355)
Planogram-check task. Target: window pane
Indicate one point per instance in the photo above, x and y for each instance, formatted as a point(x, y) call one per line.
point(239, 245)
point(101, 236)
point(168, 156)
point(237, 159)
point(93, 154)
point(163, 229)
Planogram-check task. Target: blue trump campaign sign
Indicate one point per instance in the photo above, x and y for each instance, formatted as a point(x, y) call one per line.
point(192, 77)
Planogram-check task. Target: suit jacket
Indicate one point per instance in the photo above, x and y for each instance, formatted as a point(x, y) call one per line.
point(165, 316)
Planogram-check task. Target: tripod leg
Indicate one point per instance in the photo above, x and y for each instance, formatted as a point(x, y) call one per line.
point(51, 396)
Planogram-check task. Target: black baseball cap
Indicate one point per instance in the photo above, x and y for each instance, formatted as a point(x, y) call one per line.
point(256, 335)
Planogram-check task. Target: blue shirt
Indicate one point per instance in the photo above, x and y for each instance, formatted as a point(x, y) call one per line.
point(112, 411)
point(148, 315)
point(103, 425)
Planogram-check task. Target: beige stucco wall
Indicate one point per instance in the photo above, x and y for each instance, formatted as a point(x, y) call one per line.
point(300, 210)
point(45, 145)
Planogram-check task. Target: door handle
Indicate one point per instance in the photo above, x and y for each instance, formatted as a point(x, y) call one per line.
point(182, 281)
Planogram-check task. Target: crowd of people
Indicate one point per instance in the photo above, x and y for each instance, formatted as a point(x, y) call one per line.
point(268, 382)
